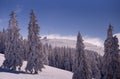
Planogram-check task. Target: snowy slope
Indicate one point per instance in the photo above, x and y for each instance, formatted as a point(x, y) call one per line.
point(47, 73)
point(72, 43)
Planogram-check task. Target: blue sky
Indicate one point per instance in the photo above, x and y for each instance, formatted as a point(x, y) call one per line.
point(64, 17)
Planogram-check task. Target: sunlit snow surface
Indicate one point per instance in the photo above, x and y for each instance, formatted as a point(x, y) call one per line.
point(47, 73)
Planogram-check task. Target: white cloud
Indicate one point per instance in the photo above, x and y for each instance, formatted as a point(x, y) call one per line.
point(95, 41)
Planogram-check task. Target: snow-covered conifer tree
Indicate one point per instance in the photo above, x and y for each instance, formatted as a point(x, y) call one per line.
point(2, 41)
point(25, 49)
point(111, 58)
point(67, 59)
point(13, 58)
point(82, 70)
point(50, 55)
point(35, 62)
point(45, 54)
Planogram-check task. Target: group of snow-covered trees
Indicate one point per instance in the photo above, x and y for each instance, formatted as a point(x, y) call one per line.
point(109, 65)
point(16, 49)
point(85, 64)
point(62, 57)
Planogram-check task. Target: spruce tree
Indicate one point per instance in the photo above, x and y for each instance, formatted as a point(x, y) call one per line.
point(111, 58)
point(35, 62)
point(67, 59)
point(50, 55)
point(12, 54)
point(2, 41)
point(45, 50)
point(25, 49)
point(81, 68)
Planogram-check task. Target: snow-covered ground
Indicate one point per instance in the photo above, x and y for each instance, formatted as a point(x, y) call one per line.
point(47, 73)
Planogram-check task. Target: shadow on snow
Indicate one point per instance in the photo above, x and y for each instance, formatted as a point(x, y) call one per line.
point(12, 71)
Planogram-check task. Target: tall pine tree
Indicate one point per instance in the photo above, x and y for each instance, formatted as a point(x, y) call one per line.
point(35, 62)
point(111, 58)
point(81, 68)
point(13, 58)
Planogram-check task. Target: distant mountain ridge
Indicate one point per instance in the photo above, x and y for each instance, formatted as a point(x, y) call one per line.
point(72, 44)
